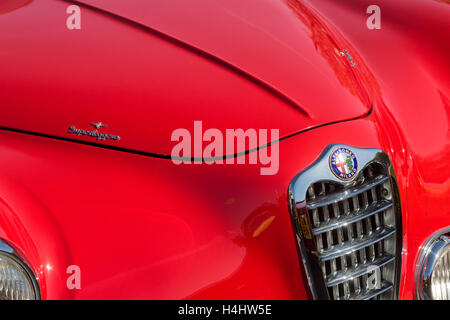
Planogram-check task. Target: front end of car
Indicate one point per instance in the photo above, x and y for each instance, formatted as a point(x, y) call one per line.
point(220, 232)
point(357, 209)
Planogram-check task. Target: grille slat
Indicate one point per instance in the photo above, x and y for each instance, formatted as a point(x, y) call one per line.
point(351, 246)
point(353, 217)
point(350, 274)
point(368, 294)
point(324, 200)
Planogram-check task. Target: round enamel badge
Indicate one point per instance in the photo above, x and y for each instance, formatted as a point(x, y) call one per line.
point(343, 163)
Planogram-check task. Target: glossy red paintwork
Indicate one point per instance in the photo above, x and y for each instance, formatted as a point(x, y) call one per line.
point(158, 84)
point(142, 227)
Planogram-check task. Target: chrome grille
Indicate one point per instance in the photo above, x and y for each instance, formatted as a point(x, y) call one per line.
point(350, 231)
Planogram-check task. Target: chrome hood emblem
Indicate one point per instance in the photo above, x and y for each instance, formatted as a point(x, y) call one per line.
point(343, 163)
point(98, 125)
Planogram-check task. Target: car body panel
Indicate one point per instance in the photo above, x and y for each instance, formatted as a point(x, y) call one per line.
point(141, 227)
point(408, 57)
point(148, 84)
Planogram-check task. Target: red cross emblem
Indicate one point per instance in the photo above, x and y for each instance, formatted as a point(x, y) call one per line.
point(341, 164)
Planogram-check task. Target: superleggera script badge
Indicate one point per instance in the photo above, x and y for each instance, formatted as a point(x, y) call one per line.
point(94, 133)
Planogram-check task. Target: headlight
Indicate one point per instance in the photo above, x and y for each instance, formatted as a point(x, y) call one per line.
point(16, 279)
point(433, 270)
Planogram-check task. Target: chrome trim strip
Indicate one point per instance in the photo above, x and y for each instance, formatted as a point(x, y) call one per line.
point(351, 218)
point(362, 269)
point(372, 294)
point(352, 246)
point(345, 194)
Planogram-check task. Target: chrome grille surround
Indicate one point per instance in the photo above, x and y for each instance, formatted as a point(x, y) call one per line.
point(348, 230)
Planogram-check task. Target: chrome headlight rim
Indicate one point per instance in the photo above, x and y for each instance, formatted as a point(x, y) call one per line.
point(427, 260)
point(9, 252)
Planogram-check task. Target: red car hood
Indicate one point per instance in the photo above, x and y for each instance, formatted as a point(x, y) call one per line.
point(146, 68)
